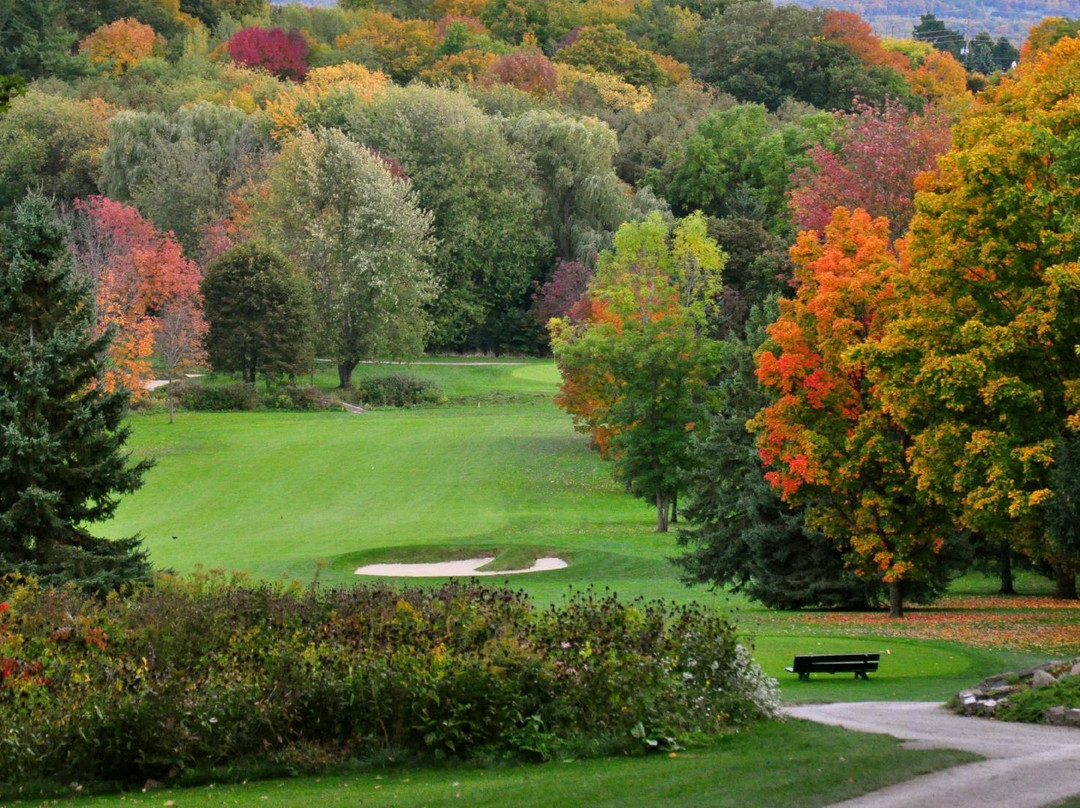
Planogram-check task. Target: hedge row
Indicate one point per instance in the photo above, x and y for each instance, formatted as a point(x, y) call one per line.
point(198, 673)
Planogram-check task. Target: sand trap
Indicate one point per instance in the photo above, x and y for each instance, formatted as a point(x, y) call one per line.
point(468, 566)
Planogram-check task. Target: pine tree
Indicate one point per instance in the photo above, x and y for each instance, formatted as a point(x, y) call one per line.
point(61, 461)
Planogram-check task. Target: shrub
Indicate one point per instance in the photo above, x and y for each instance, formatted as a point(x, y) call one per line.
point(396, 390)
point(294, 397)
point(217, 398)
point(202, 672)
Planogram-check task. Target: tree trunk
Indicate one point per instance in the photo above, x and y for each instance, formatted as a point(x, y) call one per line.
point(1005, 570)
point(172, 411)
point(661, 512)
point(1065, 581)
point(896, 599)
point(675, 508)
point(344, 372)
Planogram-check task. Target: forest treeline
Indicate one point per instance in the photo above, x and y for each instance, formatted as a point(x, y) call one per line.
point(704, 210)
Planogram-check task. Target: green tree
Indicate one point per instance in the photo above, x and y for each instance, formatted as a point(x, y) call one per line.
point(606, 49)
point(634, 362)
point(50, 143)
point(739, 160)
point(486, 206)
point(62, 465)
point(741, 534)
point(934, 32)
point(764, 54)
point(179, 169)
point(584, 202)
point(259, 313)
point(357, 233)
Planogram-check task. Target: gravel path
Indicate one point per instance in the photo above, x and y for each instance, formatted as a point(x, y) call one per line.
point(1027, 766)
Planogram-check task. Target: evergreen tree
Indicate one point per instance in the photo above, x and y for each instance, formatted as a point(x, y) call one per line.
point(743, 536)
point(61, 461)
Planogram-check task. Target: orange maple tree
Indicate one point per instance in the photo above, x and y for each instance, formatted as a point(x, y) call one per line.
point(826, 439)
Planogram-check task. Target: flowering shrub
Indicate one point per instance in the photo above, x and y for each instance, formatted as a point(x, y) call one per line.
point(204, 672)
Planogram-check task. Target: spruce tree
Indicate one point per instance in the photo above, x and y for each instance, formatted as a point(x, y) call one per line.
point(62, 464)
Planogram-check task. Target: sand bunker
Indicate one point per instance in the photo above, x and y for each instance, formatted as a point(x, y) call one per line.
point(468, 566)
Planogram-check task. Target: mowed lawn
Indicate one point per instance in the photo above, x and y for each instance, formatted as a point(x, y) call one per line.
point(283, 495)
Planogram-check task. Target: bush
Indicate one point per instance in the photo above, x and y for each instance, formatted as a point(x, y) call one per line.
point(292, 397)
point(200, 673)
point(396, 390)
point(217, 398)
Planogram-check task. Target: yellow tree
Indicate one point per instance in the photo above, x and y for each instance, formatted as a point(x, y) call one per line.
point(980, 366)
point(123, 44)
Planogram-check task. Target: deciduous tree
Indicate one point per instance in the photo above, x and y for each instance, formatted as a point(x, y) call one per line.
point(633, 360)
point(279, 52)
point(878, 153)
point(357, 233)
point(53, 144)
point(259, 312)
point(980, 367)
point(584, 202)
point(120, 44)
point(485, 204)
point(826, 437)
point(137, 274)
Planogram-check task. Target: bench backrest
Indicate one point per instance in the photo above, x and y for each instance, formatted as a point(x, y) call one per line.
point(842, 662)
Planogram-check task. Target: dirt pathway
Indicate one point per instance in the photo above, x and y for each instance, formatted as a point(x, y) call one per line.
point(1027, 766)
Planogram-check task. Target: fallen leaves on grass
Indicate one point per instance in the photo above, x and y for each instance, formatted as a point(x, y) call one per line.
point(1037, 624)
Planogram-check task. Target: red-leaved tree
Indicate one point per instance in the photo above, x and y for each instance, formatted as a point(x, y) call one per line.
point(530, 71)
point(139, 274)
point(879, 153)
point(274, 50)
point(556, 297)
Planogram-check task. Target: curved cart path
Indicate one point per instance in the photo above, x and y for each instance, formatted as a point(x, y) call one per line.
point(1027, 766)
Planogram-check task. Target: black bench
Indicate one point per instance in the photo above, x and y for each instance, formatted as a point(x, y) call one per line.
point(859, 664)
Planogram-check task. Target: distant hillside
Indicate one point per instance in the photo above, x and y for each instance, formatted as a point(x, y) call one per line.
point(1008, 18)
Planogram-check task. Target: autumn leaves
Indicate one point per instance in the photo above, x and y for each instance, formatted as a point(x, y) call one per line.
point(932, 388)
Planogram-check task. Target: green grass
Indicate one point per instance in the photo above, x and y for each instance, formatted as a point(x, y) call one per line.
point(285, 494)
point(464, 377)
point(776, 764)
point(915, 670)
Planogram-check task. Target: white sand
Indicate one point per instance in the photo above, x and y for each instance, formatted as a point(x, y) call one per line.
point(468, 566)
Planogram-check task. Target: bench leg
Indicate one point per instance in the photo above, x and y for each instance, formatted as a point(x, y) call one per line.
point(862, 675)
point(804, 676)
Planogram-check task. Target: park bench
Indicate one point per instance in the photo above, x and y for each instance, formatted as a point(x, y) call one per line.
point(859, 664)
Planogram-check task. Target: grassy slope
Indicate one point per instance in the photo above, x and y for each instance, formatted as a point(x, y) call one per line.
point(805, 765)
point(285, 494)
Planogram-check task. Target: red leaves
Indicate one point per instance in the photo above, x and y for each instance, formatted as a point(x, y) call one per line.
point(139, 274)
point(277, 52)
point(879, 154)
